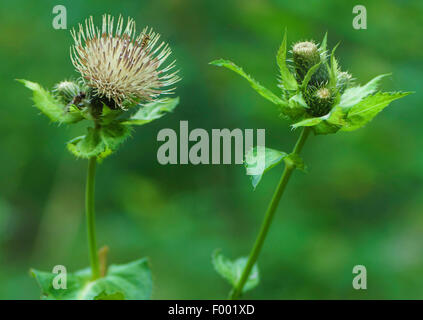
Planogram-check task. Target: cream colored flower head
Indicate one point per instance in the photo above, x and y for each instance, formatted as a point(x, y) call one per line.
point(121, 66)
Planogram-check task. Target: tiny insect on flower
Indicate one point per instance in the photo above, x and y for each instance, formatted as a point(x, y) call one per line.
point(120, 66)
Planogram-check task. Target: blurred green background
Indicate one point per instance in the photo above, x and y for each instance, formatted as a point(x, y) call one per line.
point(360, 203)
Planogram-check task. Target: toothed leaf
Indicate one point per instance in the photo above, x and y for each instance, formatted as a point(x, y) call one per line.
point(264, 92)
point(362, 113)
point(288, 81)
point(152, 111)
point(354, 95)
point(50, 106)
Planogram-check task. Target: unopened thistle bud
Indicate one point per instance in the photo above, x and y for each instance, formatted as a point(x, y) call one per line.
point(344, 81)
point(66, 91)
point(306, 54)
point(320, 101)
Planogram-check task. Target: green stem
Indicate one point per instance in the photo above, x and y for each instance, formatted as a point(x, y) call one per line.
point(289, 168)
point(89, 207)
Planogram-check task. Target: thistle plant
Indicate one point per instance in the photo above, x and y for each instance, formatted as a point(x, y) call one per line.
point(123, 82)
point(318, 97)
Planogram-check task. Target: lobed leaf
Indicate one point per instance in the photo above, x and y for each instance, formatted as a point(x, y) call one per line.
point(264, 92)
point(131, 281)
point(232, 270)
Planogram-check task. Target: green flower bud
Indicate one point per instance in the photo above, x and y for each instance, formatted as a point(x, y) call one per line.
point(320, 101)
point(67, 91)
point(306, 54)
point(344, 81)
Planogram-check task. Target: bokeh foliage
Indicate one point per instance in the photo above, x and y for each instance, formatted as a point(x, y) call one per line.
point(359, 203)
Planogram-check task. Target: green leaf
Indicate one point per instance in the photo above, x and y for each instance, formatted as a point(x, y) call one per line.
point(367, 109)
point(114, 134)
point(266, 93)
point(329, 123)
point(354, 95)
point(114, 296)
point(90, 145)
point(287, 79)
point(99, 142)
point(257, 164)
point(232, 270)
point(130, 281)
point(309, 122)
point(50, 106)
point(309, 74)
point(324, 43)
point(152, 111)
point(334, 69)
point(109, 115)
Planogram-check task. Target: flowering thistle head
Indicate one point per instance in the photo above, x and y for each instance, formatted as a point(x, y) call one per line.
point(120, 66)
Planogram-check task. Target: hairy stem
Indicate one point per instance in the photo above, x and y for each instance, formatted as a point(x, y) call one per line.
point(89, 207)
point(255, 251)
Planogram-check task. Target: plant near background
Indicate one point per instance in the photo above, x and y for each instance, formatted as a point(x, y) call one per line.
point(317, 97)
point(122, 82)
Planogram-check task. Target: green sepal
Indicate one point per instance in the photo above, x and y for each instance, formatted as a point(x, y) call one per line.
point(152, 111)
point(271, 158)
point(264, 92)
point(287, 79)
point(232, 270)
point(131, 281)
point(50, 106)
point(363, 112)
